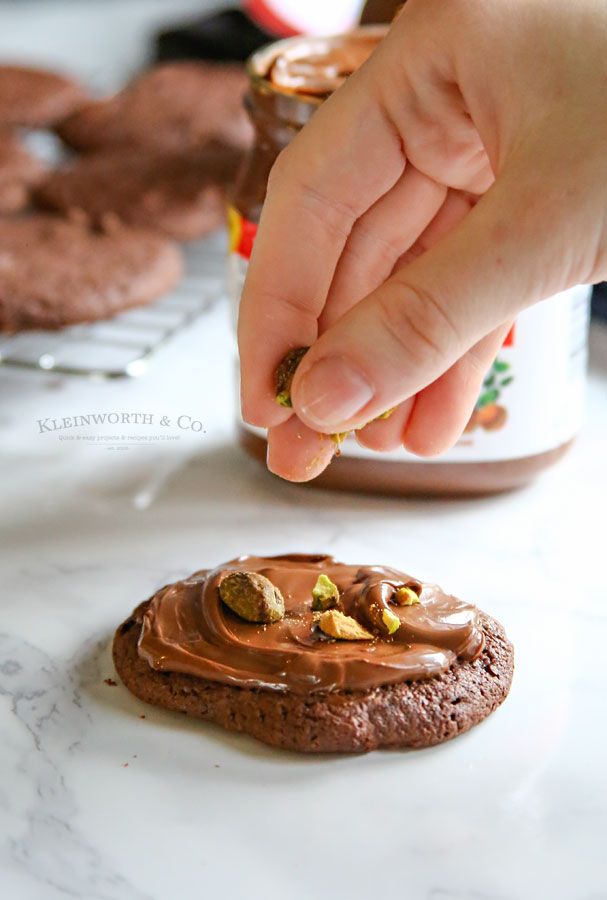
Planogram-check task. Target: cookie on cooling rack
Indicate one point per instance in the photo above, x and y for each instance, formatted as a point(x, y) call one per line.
point(36, 98)
point(56, 272)
point(19, 170)
point(171, 107)
point(181, 195)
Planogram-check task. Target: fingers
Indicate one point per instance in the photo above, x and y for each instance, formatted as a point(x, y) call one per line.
point(379, 238)
point(426, 424)
point(387, 434)
point(325, 180)
point(297, 453)
point(412, 329)
point(442, 410)
point(348, 157)
point(457, 204)
point(431, 422)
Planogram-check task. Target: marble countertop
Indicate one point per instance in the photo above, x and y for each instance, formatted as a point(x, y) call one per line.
point(98, 802)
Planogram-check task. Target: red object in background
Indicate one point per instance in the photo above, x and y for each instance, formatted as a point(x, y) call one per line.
point(509, 339)
point(267, 18)
point(247, 236)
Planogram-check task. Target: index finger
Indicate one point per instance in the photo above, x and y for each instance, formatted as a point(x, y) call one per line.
point(345, 158)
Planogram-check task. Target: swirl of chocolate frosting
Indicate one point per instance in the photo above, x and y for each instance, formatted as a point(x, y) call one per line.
point(187, 628)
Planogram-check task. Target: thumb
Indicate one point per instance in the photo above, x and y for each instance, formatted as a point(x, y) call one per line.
point(511, 250)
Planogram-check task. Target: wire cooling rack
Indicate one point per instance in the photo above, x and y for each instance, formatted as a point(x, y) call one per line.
point(122, 346)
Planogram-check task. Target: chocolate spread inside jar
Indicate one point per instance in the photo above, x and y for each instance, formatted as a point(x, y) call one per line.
point(530, 406)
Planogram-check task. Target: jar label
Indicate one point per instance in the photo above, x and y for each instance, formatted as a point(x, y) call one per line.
point(241, 233)
point(532, 396)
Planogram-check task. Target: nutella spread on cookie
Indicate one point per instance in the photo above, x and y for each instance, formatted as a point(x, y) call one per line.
point(187, 628)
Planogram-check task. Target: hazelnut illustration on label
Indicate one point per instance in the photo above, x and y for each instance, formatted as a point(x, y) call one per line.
point(488, 413)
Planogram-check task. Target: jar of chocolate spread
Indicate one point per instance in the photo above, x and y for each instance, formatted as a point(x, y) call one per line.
point(530, 406)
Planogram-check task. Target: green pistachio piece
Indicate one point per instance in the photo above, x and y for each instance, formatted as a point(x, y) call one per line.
point(406, 596)
point(253, 597)
point(284, 399)
point(386, 414)
point(283, 377)
point(324, 594)
point(391, 621)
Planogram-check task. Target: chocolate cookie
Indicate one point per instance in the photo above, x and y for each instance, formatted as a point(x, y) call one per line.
point(181, 195)
point(56, 272)
point(18, 172)
point(172, 107)
point(36, 98)
point(290, 685)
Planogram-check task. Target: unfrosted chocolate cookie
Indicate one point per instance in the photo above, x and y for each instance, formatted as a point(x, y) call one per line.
point(56, 272)
point(19, 170)
point(36, 98)
point(172, 107)
point(181, 195)
point(300, 683)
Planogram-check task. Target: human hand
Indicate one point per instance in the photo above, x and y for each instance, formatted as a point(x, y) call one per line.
point(372, 249)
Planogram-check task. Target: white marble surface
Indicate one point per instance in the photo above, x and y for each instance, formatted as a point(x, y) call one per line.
point(97, 802)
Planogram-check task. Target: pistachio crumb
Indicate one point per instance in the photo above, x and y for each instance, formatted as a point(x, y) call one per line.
point(338, 437)
point(284, 399)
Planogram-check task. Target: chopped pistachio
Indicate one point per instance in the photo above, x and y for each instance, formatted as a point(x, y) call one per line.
point(391, 621)
point(283, 377)
point(386, 414)
point(337, 625)
point(406, 596)
point(324, 594)
point(253, 597)
point(284, 399)
point(339, 437)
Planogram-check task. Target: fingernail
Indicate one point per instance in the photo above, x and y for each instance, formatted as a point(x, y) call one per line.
point(332, 392)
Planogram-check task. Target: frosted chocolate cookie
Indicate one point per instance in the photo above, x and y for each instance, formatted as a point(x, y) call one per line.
point(308, 654)
point(181, 195)
point(19, 170)
point(171, 107)
point(56, 272)
point(36, 98)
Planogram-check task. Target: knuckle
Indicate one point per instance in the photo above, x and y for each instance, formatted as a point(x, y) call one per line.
point(418, 322)
point(335, 216)
point(364, 244)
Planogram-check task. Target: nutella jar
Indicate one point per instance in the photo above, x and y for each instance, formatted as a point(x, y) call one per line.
point(530, 406)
